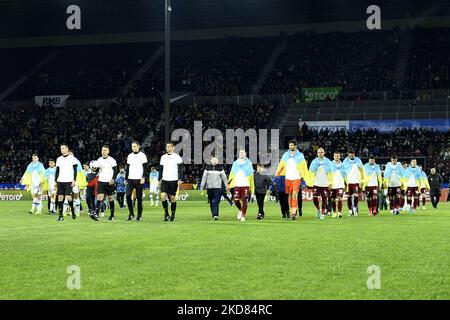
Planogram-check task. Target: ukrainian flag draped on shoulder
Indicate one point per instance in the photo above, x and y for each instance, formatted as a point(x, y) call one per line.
point(410, 171)
point(81, 177)
point(425, 180)
point(33, 169)
point(338, 167)
point(390, 168)
point(315, 165)
point(369, 170)
point(299, 160)
point(348, 164)
point(48, 172)
point(247, 168)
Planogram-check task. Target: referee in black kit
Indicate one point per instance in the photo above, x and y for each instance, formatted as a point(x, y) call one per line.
point(171, 173)
point(135, 172)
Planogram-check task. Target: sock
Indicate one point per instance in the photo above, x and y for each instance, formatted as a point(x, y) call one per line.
point(369, 203)
point(324, 205)
point(65, 206)
point(52, 205)
point(111, 207)
point(157, 199)
point(375, 204)
point(60, 205)
point(71, 206)
point(244, 206)
point(334, 206)
point(130, 205)
point(349, 202)
point(151, 198)
point(355, 200)
point(300, 200)
point(166, 207)
point(316, 202)
point(294, 205)
point(49, 204)
point(77, 203)
point(139, 207)
point(391, 203)
point(424, 200)
point(98, 206)
point(173, 207)
point(339, 205)
point(416, 202)
point(238, 205)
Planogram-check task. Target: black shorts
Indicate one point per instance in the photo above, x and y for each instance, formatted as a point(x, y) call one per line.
point(105, 188)
point(64, 188)
point(169, 187)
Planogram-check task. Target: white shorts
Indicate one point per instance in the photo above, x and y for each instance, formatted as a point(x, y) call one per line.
point(36, 190)
point(76, 189)
point(153, 189)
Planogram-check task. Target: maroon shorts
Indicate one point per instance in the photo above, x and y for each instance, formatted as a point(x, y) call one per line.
point(412, 191)
point(337, 193)
point(320, 192)
point(241, 193)
point(394, 191)
point(371, 192)
point(353, 188)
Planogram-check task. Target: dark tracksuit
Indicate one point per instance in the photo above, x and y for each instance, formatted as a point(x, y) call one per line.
point(213, 178)
point(382, 204)
point(280, 185)
point(262, 181)
point(121, 189)
point(435, 181)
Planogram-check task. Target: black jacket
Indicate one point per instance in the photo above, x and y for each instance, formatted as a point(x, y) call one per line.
point(435, 181)
point(262, 181)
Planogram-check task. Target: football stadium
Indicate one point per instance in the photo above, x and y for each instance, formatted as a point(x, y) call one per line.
point(242, 150)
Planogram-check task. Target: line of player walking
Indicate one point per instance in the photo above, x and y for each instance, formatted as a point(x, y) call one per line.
point(64, 179)
point(329, 179)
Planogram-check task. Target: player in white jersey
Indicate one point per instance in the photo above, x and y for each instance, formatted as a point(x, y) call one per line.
point(354, 176)
point(65, 176)
point(321, 179)
point(393, 176)
point(107, 171)
point(76, 190)
point(33, 178)
point(372, 184)
point(153, 179)
point(51, 186)
point(424, 188)
point(135, 173)
point(171, 169)
point(337, 193)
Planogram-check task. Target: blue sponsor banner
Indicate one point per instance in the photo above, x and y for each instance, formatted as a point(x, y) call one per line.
point(441, 125)
point(11, 186)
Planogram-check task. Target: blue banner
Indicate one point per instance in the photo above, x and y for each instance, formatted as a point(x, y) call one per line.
point(441, 125)
point(11, 186)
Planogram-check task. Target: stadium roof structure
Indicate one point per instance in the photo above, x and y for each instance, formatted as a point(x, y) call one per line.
point(31, 18)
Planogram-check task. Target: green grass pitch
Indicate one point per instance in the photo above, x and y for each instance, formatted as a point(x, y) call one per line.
point(196, 258)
